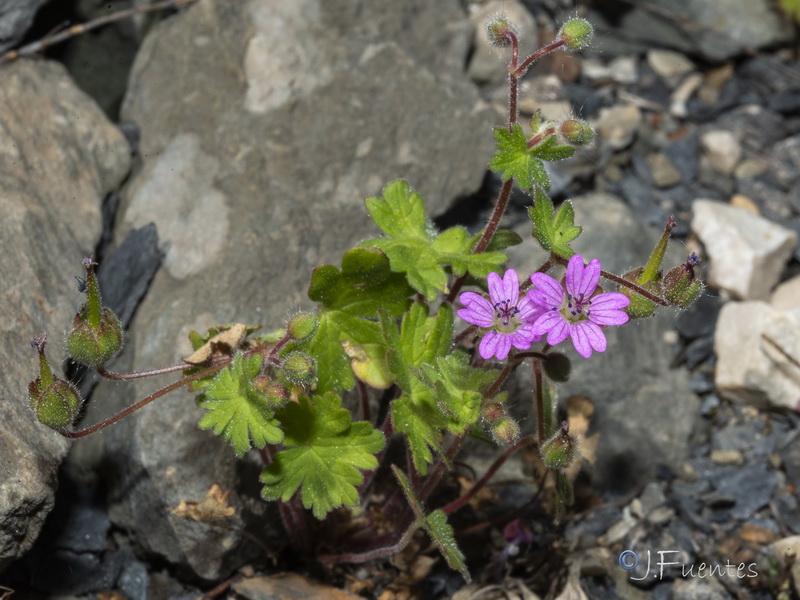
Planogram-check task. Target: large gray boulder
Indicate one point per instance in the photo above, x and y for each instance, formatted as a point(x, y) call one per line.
point(264, 125)
point(59, 157)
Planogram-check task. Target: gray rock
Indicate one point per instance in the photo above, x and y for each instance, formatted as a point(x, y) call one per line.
point(15, 18)
point(715, 30)
point(722, 150)
point(59, 156)
point(300, 112)
point(746, 252)
point(617, 125)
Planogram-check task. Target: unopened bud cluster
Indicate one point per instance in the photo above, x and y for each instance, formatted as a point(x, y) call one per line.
point(504, 429)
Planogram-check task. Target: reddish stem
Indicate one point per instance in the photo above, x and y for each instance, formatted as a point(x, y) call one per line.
point(510, 451)
point(526, 64)
point(360, 557)
point(144, 402)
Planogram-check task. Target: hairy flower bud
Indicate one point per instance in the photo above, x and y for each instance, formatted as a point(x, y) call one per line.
point(302, 326)
point(56, 402)
point(681, 288)
point(273, 392)
point(640, 307)
point(577, 132)
point(300, 368)
point(492, 411)
point(505, 431)
point(500, 31)
point(577, 33)
point(96, 332)
point(560, 450)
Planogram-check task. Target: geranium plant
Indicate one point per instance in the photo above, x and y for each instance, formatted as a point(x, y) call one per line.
point(387, 321)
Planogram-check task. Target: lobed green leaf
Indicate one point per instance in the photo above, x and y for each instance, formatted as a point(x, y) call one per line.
point(553, 230)
point(236, 411)
point(324, 456)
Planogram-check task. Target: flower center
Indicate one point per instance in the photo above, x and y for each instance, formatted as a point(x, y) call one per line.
point(576, 308)
point(504, 313)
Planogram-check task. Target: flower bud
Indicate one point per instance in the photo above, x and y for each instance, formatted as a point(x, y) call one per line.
point(577, 33)
point(640, 307)
point(492, 412)
point(300, 368)
point(560, 450)
point(558, 367)
point(681, 288)
point(96, 332)
point(274, 394)
point(577, 132)
point(302, 326)
point(56, 402)
point(505, 431)
point(500, 31)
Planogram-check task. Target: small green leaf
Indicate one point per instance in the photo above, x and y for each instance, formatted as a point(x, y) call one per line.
point(436, 525)
point(421, 340)
point(554, 230)
point(324, 454)
point(548, 150)
point(515, 160)
point(416, 249)
point(348, 333)
point(458, 389)
point(237, 412)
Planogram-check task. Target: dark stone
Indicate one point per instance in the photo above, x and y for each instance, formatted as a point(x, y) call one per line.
point(641, 198)
point(701, 382)
point(133, 581)
point(126, 273)
point(709, 405)
point(684, 154)
point(700, 320)
point(786, 102)
point(751, 486)
point(770, 198)
point(697, 351)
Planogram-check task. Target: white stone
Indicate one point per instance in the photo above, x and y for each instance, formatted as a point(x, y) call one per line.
point(787, 295)
point(624, 70)
point(746, 252)
point(669, 64)
point(722, 149)
point(617, 125)
point(758, 355)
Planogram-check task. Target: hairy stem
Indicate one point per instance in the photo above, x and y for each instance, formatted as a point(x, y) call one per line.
point(144, 402)
point(539, 397)
point(510, 451)
point(360, 557)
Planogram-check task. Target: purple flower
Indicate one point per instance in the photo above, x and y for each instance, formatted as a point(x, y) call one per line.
point(576, 312)
point(508, 318)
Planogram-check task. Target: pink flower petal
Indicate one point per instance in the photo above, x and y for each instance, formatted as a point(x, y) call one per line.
point(587, 335)
point(528, 309)
point(511, 287)
point(605, 309)
point(581, 341)
point(478, 312)
point(547, 320)
point(548, 292)
point(488, 345)
point(496, 288)
point(580, 279)
point(558, 333)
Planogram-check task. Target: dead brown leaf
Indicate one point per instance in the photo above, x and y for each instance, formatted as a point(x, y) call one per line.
point(214, 507)
point(224, 343)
